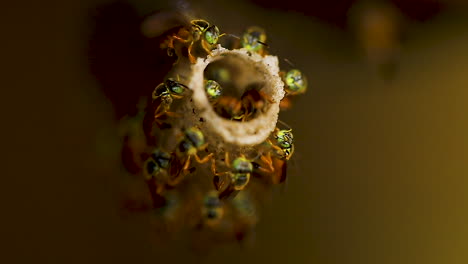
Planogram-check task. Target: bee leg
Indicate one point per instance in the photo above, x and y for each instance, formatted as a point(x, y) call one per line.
point(205, 159)
point(267, 159)
point(187, 163)
point(206, 47)
point(213, 167)
point(226, 159)
point(173, 114)
point(191, 57)
point(178, 38)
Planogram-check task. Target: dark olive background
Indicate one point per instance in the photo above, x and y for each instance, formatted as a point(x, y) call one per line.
point(380, 169)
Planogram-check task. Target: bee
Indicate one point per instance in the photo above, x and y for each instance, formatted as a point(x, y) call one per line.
point(273, 168)
point(237, 178)
point(164, 95)
point(213, 90)
point(254, 40)
point(198, 31)
point(246, 216)
point(212, 209)
point(156, 170)
point(295, 83)
point(189, 145)
point(378, 28)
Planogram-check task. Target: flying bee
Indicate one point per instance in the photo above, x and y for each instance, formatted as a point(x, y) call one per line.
point(212, 209)
point(273, 168)
point(378, 28)
point(295, 83)
point(198, 32)
point(189, 145)
point(213, 90)
point(254, 40)
point(246, 216)
point(237, 178)
point(164, 95)
point(156, 170)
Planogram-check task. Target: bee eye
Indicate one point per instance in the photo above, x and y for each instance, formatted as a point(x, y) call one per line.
point(212, 35)
point(177, 89)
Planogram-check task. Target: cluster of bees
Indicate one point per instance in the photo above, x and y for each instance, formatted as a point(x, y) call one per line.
point(229, 173)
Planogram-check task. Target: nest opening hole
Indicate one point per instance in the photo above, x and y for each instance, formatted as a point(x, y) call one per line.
point(242, 93)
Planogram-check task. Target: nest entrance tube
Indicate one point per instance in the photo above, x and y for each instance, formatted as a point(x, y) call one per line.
point(237, 71)
point(235, 75)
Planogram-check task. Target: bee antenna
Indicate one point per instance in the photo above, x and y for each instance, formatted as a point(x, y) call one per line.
point(290, 63)
point(232, 35)
point(263, 43)
point(284, 124)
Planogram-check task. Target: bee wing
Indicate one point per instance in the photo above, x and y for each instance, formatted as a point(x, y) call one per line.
point(280, 170)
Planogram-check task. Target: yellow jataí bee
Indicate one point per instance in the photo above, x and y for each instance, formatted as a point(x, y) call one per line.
point(164, 94)
point(213, 90)
point(212, 209)
point(245, 215)
point(156, 170)
point(271, 165)
point(295, 83)
point(190, 143)
point(236, 179)
point(378, 28)
point(198, 33)
point(254, 40)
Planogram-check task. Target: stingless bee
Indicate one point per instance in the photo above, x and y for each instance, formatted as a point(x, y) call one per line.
point(237, 178)
point(279, 148)
point(213, 90)
point(295, 83)
point(212, 209)
point(189, 145)
point(164, 95)
point(254, 40)
point(198, 31)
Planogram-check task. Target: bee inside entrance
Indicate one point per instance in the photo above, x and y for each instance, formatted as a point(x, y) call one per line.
point(236, 88)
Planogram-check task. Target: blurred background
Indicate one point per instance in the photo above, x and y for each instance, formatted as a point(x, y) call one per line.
point(381, 162)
